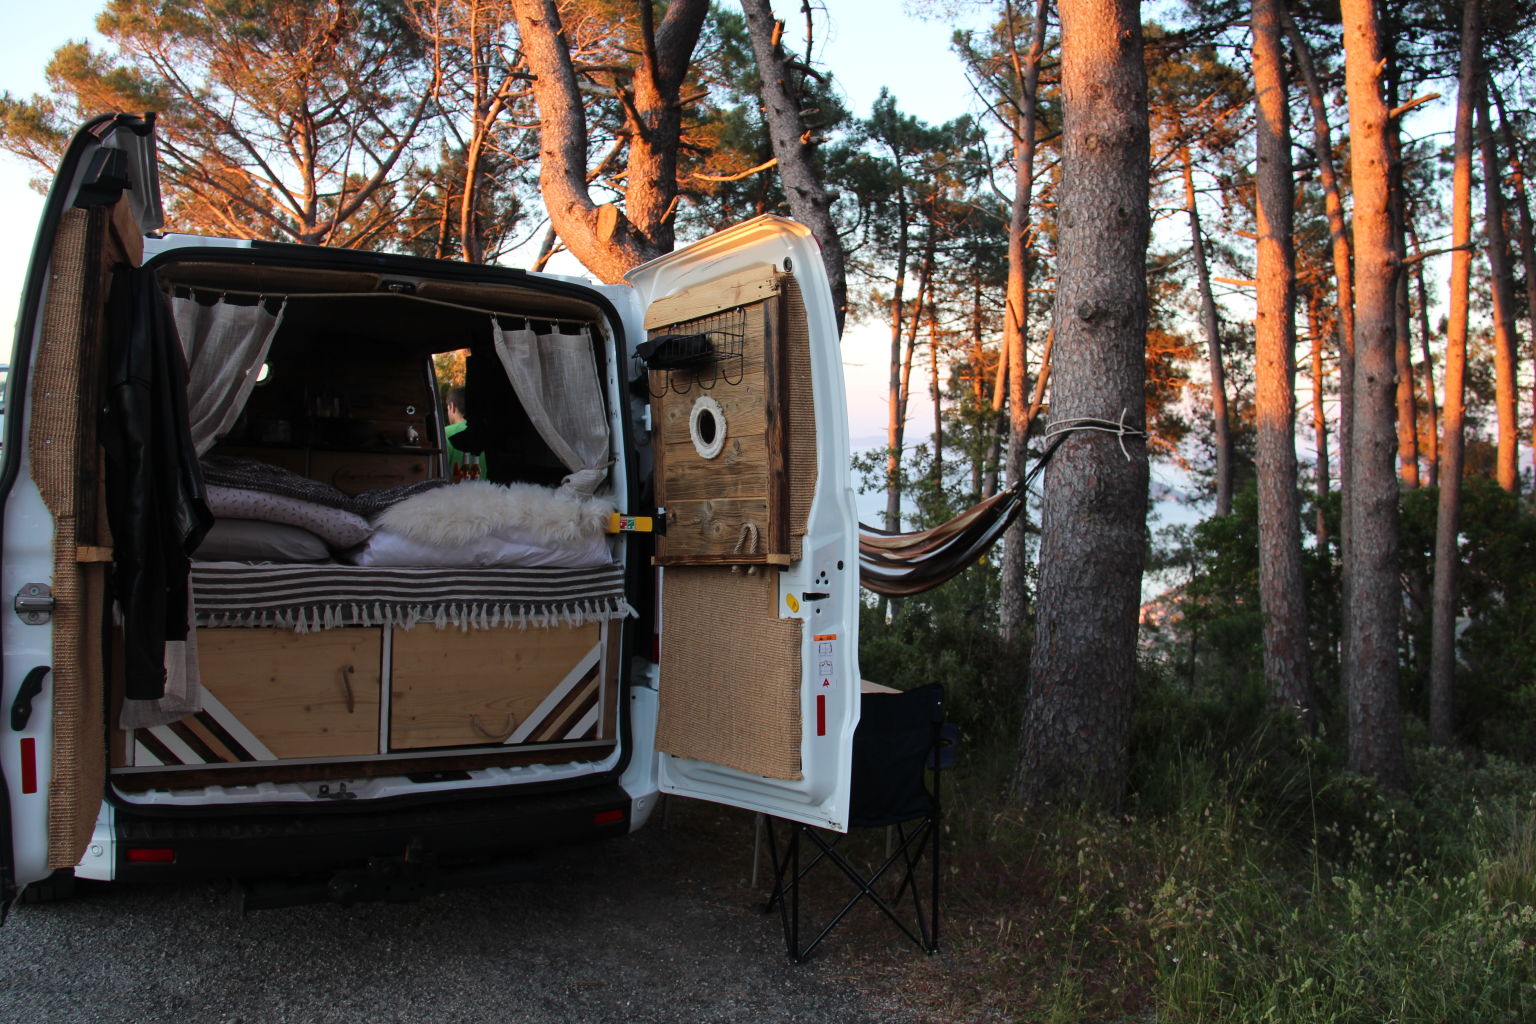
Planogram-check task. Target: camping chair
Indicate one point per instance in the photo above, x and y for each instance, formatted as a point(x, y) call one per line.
point(901, 738)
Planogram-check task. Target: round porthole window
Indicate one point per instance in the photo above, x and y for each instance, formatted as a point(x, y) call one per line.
point(706, 425)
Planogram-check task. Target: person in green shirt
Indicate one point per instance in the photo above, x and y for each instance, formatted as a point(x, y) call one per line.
point(462, 465)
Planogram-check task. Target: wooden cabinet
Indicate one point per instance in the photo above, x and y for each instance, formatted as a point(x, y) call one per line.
point(495, 686)
point(366, 692)
point(293, 694)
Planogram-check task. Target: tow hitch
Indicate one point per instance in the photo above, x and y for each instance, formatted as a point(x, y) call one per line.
point(402, 879)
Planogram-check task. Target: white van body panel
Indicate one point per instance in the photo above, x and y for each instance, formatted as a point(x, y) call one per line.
point(829, 657)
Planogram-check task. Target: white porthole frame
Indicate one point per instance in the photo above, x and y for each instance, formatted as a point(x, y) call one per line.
point(703, 406)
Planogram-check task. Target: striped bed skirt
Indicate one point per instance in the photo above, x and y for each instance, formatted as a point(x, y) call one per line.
point(305, 596)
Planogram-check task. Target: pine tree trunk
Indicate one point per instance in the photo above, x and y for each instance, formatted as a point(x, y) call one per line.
point(1076, 731)
point(1432, 431)
point(1505, 344)
point(896, 423)
point(1373, 595)
point(1407, 412)
point(1442, 659)
point(1287, 660)
point(1527, 233)
point(1220, 419)
point(810, 202)
point(1015, 582)
point(1319, 329)
point(1343, 275)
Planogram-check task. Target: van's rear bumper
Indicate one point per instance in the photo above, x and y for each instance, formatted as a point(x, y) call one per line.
point(150, 847)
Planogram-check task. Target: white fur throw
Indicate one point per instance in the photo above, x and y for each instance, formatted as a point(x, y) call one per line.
point(465, 512)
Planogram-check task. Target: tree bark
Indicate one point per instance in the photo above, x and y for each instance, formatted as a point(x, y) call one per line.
point(896, 419)
point(1209, 323)
point(1015, 581)
point(1407, 409)
point(1317, 321)
point(1442, 659)
point(1432, 431)
point(1527, 232)
point(1343, 258)
point(1287, 659)
point(810, 201)
point(1374, 722)
point(607, 241)
point(1076, 730)
point(1505, 344)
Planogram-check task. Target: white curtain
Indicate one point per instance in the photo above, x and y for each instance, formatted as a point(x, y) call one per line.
point(555, 377)
point(226, 345)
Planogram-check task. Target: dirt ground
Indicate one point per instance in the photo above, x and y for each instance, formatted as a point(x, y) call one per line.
point(661, 926)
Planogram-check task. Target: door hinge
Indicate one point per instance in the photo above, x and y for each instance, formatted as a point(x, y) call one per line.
point(34, 603)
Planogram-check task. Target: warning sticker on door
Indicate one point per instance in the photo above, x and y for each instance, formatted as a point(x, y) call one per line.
point(826, 664)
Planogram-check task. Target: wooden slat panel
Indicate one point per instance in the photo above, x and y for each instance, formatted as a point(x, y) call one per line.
point(741, 405)
point(355, 472)
point(714, 528)
point(736, 472)
point(288, 689)
point(753, 284)
point(473, 689)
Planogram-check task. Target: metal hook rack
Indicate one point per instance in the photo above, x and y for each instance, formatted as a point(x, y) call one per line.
point(726, 331)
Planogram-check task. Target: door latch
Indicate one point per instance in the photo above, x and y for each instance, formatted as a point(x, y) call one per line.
point(34, 603)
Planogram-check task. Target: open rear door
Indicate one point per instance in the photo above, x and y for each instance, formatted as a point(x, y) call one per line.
point(55, 547)
point(759, 691)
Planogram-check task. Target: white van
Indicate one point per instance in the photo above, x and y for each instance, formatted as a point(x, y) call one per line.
point(358, 675)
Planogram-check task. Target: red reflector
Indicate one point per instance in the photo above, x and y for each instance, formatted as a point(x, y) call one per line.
point(29, 765)
point(607, 817)
point(821, 714)
point(151, 856)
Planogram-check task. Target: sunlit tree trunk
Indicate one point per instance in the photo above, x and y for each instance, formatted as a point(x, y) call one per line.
point(1374, 717)
point(1442, 659)
point(1343, 275)
point(1432, 432)
point(1211, 327)
point(1527, 233)
point(1505, 344)
point(810, 202)
point(1407, 409)
point(1015, 581)
point(1287, 662)
point(1076, 731)
point(607, 241)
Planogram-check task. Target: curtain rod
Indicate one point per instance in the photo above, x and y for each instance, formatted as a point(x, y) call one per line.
point(224, 292)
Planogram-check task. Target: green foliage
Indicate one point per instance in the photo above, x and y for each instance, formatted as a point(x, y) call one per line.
point(1253, 881)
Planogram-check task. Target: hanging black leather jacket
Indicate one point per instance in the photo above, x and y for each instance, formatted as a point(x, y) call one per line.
point(154, 492)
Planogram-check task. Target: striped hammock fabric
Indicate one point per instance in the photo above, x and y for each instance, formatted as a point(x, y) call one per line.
point(306, 597)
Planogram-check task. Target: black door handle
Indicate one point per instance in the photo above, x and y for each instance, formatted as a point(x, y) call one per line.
point(21, 707)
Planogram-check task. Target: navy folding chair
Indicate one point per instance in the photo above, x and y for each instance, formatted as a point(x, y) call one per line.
point(899, 749)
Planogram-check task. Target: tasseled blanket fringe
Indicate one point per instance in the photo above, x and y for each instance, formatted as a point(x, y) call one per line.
point(456, 614)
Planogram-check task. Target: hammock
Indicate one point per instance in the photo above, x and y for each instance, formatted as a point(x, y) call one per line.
point(903, 564)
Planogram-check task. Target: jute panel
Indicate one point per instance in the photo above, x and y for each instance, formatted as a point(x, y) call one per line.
point(730, 672)
point(63, 428)
point(802, 415)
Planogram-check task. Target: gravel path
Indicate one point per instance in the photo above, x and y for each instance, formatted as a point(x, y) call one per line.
point(658, 927)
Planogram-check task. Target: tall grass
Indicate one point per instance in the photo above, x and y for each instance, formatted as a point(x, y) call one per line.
point(1254, 882)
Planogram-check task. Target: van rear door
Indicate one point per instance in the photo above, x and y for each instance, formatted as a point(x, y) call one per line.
point(54, 548)
point(759, 678)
